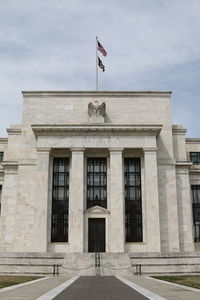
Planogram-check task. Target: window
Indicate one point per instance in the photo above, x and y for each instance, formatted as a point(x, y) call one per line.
point(1, 157)
point(196, 211)
point(133, 203)
point(96, 182)
point(60, 200)
point(195, 157)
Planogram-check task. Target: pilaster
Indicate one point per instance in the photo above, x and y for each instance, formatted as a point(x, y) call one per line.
point(41, 201)
point(8, 206)
point(184, 209)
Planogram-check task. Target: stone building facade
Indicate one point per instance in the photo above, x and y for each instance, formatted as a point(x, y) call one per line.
point(99, 171)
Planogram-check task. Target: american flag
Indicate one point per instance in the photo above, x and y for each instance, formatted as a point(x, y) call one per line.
point(101, 48)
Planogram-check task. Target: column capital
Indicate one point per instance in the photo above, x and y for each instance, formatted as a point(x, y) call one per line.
point(77, 149)
point(116, 149)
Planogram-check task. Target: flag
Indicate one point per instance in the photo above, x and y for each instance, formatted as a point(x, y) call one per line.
point(100, 64)
point(101, 49)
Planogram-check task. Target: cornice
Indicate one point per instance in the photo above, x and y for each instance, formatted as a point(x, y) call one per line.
point(9, 164)
point(192, 141)
point(41, 130)
point(14, 131)
point(178, 130)
point(3, 140)
point(113, 94)
point(195, 171)
point(183, 163)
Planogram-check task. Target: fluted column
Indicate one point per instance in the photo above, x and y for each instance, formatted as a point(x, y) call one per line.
point(116, 224)
point(76, 200)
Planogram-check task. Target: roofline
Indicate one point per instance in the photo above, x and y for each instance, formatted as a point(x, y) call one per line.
point(96, 93)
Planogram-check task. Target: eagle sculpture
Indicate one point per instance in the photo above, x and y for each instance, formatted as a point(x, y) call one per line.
point(96, 109)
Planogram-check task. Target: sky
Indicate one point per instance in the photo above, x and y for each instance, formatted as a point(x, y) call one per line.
point(151, 44)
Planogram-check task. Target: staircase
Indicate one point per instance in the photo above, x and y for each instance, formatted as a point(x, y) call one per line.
point(89, 264)
point(86, 264)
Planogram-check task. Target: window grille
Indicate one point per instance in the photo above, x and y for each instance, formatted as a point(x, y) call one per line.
point(196, 211)
point(133, 203)
point(195, 157)
point(60, 200)
point(96, 182)
point(1, 156)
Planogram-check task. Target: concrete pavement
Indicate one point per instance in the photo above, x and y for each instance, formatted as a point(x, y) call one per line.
point(100, 288)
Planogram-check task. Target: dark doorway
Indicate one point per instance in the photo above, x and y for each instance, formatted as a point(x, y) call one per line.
point(96, 235)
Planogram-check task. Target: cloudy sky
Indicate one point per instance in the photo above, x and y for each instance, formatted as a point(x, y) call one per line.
point(151, 45)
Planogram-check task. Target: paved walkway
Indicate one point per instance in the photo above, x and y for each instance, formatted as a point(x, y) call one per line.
point(99, 288)
point(166, 290)
point(34, 290)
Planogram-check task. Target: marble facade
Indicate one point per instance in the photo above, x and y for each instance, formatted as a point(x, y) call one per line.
point(135, 124)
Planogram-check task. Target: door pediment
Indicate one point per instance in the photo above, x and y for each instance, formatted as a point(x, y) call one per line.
point(98, 210)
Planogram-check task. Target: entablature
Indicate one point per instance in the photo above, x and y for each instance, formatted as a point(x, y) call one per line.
point(85, 129)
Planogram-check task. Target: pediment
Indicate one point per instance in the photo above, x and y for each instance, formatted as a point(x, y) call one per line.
point(97, 210)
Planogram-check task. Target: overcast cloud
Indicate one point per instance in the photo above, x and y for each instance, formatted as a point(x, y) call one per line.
point(151, 45)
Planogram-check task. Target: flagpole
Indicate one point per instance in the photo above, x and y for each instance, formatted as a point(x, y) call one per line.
point(97, 65)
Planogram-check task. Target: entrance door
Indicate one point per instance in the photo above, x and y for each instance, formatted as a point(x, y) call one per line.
point(96, 235)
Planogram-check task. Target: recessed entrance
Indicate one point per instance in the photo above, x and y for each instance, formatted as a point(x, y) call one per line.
point(96, 235)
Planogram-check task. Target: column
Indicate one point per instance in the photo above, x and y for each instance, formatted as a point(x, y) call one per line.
point(116, 224)
point(41, 200)
point(151, 200)
point(76, 200)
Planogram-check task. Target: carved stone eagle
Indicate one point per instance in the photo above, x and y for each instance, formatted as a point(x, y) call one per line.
point(96, 109)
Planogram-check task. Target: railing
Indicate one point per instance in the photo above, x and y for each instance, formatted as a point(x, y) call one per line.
point(97, 263)
point(56, 270)
point(138, 270)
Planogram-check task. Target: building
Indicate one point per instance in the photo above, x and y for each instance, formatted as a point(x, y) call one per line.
point(99, 172)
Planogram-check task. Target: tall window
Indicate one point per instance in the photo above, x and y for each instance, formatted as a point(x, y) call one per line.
point(1, 157)
point(195, 157)
point(60, 200)
point(96, 182)
point(196, 211)
point(133, 203)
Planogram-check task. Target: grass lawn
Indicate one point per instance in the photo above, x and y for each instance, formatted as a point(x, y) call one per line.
point(12, 280)
point(188, 280)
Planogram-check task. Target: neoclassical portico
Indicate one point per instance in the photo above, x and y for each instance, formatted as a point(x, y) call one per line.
point(140, 143)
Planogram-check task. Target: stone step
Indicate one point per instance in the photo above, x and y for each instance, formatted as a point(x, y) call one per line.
point(162, 263)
